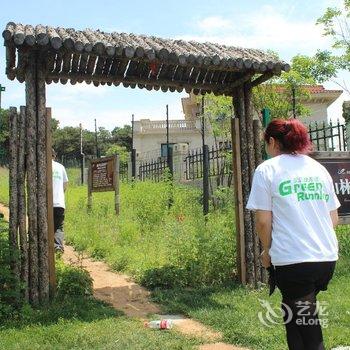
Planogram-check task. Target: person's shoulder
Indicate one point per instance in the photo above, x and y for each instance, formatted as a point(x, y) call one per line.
point(268, 164)
point(58, 165)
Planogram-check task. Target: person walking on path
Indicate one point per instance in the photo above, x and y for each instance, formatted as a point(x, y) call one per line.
point(59, 186)
point(296, 211)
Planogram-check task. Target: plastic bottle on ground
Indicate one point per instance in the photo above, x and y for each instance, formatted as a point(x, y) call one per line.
point(160, 324)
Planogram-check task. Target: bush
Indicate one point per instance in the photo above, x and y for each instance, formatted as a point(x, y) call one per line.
point(72, 281)
point(11, 300)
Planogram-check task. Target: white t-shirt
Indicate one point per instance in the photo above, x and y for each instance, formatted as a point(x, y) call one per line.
point(59, 177)
point(300, 193)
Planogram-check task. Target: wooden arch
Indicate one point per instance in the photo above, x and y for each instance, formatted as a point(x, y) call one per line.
point(39, 55)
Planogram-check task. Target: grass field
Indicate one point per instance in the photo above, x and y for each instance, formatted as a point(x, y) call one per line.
point(85, 324)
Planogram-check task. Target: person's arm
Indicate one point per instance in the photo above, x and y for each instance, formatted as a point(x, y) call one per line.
point(334, 217)
point(65, 179)
point(263, 223)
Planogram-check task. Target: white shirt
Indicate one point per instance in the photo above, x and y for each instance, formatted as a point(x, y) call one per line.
point(300, 193)
point(59, 177)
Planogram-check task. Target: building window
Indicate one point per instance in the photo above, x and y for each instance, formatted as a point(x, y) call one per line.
point(163, 149)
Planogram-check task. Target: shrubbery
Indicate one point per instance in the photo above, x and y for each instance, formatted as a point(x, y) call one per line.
point(72, 281)
point(10, 297)
point(160, 247)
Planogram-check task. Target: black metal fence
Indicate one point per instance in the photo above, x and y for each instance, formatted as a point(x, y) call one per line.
point(220, 162)
point(153, 170)
point(328, 137)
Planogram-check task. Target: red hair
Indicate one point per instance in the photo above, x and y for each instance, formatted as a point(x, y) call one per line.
point(291, 134)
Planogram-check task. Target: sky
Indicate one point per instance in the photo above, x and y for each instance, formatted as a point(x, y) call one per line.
point(287, 27)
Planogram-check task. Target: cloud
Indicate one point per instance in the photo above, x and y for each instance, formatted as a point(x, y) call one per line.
point(267, 28)
point(214, 23)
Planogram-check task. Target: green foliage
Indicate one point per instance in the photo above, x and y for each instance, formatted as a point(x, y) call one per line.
point(121, 150)
point(4, 185)
point(4, 136)
point(66, 141)
point(160, 247)
point(123, 136)
point(335, 23)
point(343, 233)
point(72, 281)
point(10, 295)
point(319, 68)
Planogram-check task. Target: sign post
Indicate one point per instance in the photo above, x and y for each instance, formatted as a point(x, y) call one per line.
point(338, 165)
point(2, 89)
point(103, 176)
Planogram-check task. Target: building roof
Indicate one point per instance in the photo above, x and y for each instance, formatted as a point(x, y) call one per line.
point(319, 89)
point(134, 60)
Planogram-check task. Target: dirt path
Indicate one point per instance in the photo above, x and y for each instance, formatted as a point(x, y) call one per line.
point(123, 294)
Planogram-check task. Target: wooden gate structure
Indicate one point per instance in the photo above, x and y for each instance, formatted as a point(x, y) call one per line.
point(39, 55)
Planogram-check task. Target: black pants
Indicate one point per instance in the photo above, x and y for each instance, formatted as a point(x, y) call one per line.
point(299, 285)
point(58, 220)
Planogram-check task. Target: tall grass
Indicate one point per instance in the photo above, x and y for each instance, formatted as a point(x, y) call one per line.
point(157, 245)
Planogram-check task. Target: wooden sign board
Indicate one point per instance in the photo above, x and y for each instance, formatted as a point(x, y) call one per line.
point(338, 165)
point(103, 176)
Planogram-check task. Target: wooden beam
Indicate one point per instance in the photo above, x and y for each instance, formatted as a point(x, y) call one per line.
point(226, 89)
point(263, 77)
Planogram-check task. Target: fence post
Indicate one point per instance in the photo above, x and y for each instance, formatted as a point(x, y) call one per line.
point(170, 162)
point(346, 116)
point(133, 163)
point(205, 179)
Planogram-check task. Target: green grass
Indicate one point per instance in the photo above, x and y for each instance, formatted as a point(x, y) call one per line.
point(157, 246)
point(85, 324)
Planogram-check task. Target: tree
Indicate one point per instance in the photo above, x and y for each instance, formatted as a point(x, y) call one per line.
point(122, 136)
point(122, 151)
point(335, 23)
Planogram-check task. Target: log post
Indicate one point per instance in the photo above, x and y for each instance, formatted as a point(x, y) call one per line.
point(116, 184)
point(22, 208)
point(258, 160)
point(31, 113)
point(239, 106)
point(42, 178)
point(252, 165)
point(239, 211)
point(50, 222)
point(13, 225)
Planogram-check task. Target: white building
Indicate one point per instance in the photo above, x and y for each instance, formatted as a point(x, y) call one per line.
point(150, 136)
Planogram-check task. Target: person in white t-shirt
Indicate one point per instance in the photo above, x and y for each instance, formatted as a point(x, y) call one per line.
point(59, 186)
point(296, 211)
